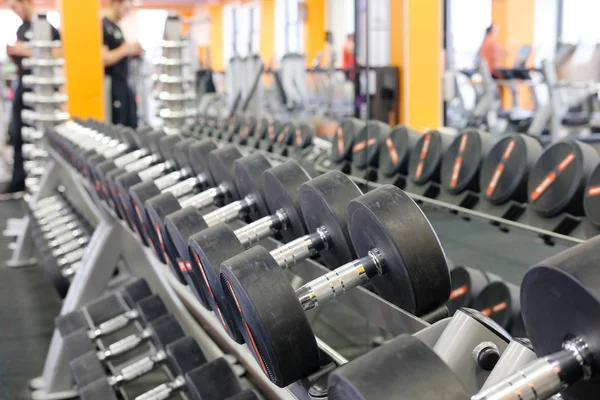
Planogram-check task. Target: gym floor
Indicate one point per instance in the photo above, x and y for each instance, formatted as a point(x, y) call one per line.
point(28, 302)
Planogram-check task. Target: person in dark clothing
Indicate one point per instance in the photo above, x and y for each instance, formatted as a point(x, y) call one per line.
point(116, 53)
point(25, 10)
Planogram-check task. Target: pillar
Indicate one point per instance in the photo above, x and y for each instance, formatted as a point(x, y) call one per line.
point(215, 12)
point(82, 44)
point(267, 31)
point(397, 49)
point(314, 29)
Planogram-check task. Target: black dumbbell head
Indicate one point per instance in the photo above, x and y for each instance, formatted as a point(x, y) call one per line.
point(198, 156)
point(247, 173)
point(78, 343)
point(270, 316)
point(86, 369)
point(365, 151)
point(151, 308)
point(387, 219)
point(70, 322)
point(303, 136)
point(591, 198)
point(135, 291)
point(165, 330)
point(426, 158)
point(500, 302)
point(221, 166)
point(98, 390)
point(282, 189)
point(343, 141)
point(214, 380)
point(323, 201)
point(395, 150)
point(183, 355)
point(105, 308)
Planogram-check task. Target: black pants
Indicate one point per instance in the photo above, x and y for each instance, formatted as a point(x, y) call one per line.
point(16, 139)
point(124, 107)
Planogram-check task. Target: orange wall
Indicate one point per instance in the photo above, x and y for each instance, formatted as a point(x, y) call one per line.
point(397, 46)
point(267, 31)
point(314, 29)
point(82, 41)
point(216, 37)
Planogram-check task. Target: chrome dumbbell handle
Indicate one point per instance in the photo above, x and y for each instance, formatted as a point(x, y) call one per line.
point(231, 211)
point(138, 368)
point(113, 324)
point(163, 392)
point(262, 228)
point(302, 248)
point(124, 345)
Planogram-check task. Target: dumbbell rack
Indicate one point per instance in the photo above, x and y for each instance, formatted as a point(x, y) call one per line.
point(112, 241)
point(45, 98)
point(174, 95)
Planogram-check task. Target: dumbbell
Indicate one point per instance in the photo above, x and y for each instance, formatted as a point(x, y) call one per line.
point(221, 163)
point(400, 255)
point(284, 139)
point(462, 162)
point(210, 247)
point(395, 150)
point(158, 326)
point(467, 283)
point(260, 131)
point(197, 156)
point(179, 356)
point(499, 300)
point(105, 308)
point(426, 158)
point(303, 136)
point(231, 128)
point(591, 205)
point(325, 198)
point(246, 131)
point(343, 141)
point(273, 128)
point(559, 299)
point(505, 170)
point(213, 380)
point(558, 179)
point(244, 177)
point(365, 150)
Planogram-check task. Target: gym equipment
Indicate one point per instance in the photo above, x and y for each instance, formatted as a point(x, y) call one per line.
point(385, 226)
point(557, 182)
point(453, 368)
point(467, 283)
point(179, 357)
point(591, 203)
point(500, 301)
point(343, 143)
point(394, 154)
point(426, 162)
point(210, 247)
point(260, 131)
point(162, 332)
point(559, 300)
point(273, 129)
point(284, 139)
point(243, 177)
point(462, 161)
point(245, 395)
point(365, 151)
point(246, 131)
point(505, 170)
point(221, 163)
point(213, 380)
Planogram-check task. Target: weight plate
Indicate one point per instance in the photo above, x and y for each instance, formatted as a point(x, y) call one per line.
point(273, 322)
point(151, 308)
point(70, 322)
point(365, 151)
point(286, 134)
point(303, 136)
point(77, 344)
point(183, 355)
point(135, 291)
point(260, 131)
point(247, 173)
point(426, 158)
point(396, 149)
point(165, 330)
point(208, 249)
point(54, 273)
point(416, 274)
point(591, 198)
point(86, 369)
point(198, 156)
point(105, 308)
point(344, 139)
point(505, 170)
point(221, 166)
point(139, 194)
point(247, 129)
point(467, 283)
point(497, 301)
point(181, 152)
point(323, 201)
point(560, 299)
point(213, 380)
point(282, 191)
point(396, 371)
point(462, 161)
point(273, 129)
point(166, 145)
point(557, 181)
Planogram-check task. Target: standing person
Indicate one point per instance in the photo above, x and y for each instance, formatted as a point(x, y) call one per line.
point(348, 56)
point(115, 54)
point(491, 51)
point(25, 10)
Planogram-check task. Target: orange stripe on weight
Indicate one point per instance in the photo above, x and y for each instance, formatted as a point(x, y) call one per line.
point(497, 174)
point(392, 150)
point(456, 171)
point(463, 143)
point(298, 138)
point(203, 275)
point(340, 140)
point(594, 191)
point(361, 145)
point(565, 163)
point(499, 307)
point(282, 134)
point(537, 192)
point(419, 170)
point(509, 149)
point(487, 312)
point(458, 292)
point(425, 147)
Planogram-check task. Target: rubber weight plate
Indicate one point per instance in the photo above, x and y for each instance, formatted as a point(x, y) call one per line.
point(505, 170)
point(467, 283)
point(273, 129)
point(303, 136)
point(221, 166)
point(247, 174)
point(135, 290)
point(591, 199)
point(272, 322)
point(260, 131)
point(323, 201)
point(426, 158)
point(208, 249)
point(183, 355)
point(416, 272)
point(214, 380)
point(286, 134)
point(282, 191)
point(560, 299)
point(151, 308)
point(245, 395)
point(396, 371)
point(247, 129)
point(198, 156)
point(463, 159)
point(343, 141)
point(396, 149)
point(98, 390)
point(557, 181)
point(500, 302)
point(365, 151)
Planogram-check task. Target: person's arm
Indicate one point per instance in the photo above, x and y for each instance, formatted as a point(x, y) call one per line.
point(19, 50)
point(111, 57)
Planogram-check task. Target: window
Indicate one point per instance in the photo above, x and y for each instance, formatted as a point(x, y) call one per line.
point(579, 19)
point(287, 21)
point(468, 22)
point(241, 29)
point(149, 25)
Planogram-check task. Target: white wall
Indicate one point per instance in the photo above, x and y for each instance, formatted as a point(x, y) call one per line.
point(468, 21)
point(340, 22)
point(545, 29)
